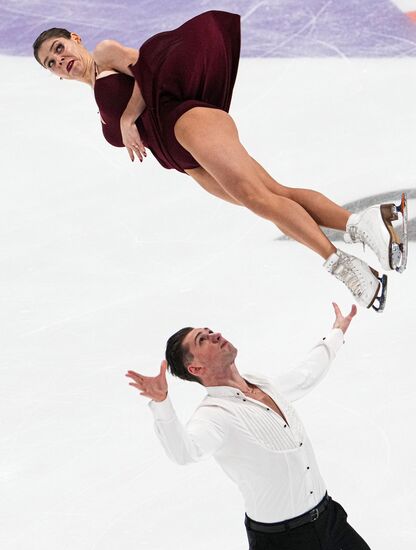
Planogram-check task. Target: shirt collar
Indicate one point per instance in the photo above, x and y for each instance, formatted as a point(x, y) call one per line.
point(229, 391)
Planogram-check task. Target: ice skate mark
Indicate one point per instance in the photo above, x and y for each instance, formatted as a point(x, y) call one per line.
point(76, 317)
point(253, 10)
point(333, 48)
point(407, 53)
point(309, 26)
point(393, 37)
point(365, 202)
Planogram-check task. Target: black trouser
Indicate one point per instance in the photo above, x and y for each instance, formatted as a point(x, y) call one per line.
point(330, 531)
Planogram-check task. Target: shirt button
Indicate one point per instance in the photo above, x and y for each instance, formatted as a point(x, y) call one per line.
point(307, 467)
point(244, 399)
point(285, 426)
point(300, 444)
point(311, 492)
point(267, 409)
point(238, 393)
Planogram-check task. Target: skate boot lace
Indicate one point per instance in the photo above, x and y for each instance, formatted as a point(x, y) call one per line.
point(350, 275)
point(362, 236)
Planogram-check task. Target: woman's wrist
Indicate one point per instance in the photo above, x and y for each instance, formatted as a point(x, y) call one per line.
point(127, 119)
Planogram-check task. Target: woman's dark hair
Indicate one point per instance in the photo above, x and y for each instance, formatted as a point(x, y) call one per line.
point(45, 35)
point(177, 356)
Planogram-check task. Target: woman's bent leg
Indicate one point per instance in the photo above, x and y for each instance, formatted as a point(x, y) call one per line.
point(207, 182)
point(211, 137)
point(324, 211)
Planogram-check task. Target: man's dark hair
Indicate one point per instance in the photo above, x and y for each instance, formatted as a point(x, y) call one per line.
point(55, 32)
point(178, 355)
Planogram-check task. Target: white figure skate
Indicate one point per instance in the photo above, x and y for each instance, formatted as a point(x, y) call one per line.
point(373, 227)
point(363, 281)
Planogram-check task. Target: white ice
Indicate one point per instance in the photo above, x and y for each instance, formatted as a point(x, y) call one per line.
point(405, 5)
point(102, 259)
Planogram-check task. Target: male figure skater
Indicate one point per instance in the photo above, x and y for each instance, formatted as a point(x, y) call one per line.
point(246, 422)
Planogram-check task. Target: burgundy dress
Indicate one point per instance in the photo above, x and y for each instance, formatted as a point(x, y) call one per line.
point(193, 65)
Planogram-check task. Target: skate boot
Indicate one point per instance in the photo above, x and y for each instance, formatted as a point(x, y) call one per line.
point(373, 227)
point(363, 281)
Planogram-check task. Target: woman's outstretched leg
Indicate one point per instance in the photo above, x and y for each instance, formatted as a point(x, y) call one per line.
point(325, 212)
point(211, 136)
point(371, 227)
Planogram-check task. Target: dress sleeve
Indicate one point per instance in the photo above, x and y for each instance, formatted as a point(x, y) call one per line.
point(203, 435)
point(298, 381)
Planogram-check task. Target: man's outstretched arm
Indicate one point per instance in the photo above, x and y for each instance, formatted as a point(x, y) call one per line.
point(204, 433)
point(298, 381)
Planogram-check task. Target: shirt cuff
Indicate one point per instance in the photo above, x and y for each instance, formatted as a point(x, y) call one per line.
point(334, 339)
point(162, 410)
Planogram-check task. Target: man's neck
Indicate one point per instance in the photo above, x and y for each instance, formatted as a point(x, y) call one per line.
point(230, 378)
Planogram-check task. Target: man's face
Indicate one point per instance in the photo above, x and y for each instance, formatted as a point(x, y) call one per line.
point(209, 349)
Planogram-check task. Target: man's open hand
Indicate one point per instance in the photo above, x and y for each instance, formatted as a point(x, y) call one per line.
point(343, 322)
point(154, 387)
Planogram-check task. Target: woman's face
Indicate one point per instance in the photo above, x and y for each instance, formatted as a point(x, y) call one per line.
point(66, 58)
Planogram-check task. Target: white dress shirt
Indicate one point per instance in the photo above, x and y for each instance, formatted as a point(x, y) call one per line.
point(271, 461)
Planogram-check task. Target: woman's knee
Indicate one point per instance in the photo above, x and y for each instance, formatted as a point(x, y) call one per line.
point(270, 183)
point(299, 194)
point(257, 199)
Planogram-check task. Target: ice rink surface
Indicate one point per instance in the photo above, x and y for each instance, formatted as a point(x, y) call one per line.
point(102, 259)
point(272, 28)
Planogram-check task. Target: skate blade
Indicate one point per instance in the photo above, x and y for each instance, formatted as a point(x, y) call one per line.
point(379, 300)
point(403, 246)
point(397, 246)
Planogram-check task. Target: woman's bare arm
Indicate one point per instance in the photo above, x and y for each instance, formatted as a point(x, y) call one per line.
point(111, 55)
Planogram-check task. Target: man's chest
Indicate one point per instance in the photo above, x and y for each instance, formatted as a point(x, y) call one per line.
point(267, 400)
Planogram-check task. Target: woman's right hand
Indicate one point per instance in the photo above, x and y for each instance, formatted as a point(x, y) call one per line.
point(132, 140)
point(154, 387)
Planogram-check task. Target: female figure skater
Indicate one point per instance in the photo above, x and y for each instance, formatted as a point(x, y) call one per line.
point(173, 96)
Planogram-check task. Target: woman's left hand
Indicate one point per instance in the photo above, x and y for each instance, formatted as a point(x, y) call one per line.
point(132, 140)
